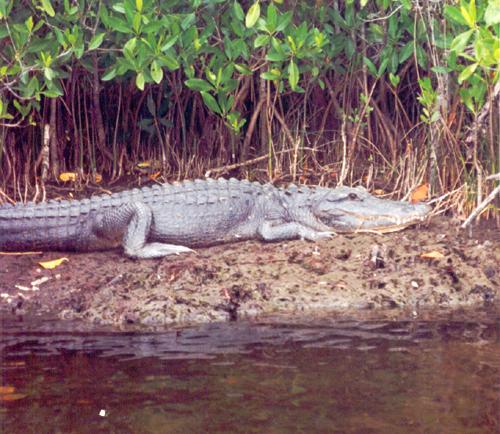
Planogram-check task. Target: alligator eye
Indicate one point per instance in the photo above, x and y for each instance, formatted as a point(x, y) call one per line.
point(353, 196)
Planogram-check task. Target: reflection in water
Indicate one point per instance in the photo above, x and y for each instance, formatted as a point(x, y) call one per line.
point(341, 376)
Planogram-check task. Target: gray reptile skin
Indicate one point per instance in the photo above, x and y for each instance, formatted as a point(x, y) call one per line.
point(169, 219)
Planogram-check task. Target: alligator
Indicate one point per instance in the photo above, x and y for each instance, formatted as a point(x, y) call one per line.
point(174, 218)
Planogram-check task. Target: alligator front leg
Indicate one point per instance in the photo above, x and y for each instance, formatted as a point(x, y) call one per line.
point(290, 231)
point(133, 221)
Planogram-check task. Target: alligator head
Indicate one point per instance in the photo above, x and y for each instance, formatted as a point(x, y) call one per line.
point(346, 209)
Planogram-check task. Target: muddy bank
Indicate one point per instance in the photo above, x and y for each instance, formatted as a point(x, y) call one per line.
point(357, 272)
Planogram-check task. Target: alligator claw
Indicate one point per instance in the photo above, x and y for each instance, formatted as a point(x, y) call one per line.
point(183, 249)
point(157, 250)
point(316, 235)
point(324, 235)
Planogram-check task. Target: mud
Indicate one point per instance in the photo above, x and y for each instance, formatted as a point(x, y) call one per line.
point(354, 273)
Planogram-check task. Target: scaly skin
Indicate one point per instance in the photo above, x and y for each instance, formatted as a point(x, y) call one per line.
point(162, 220)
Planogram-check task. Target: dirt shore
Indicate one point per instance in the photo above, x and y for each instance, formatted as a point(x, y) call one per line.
point(357, 272)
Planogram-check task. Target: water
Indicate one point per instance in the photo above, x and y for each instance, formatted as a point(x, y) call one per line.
point(323, 376)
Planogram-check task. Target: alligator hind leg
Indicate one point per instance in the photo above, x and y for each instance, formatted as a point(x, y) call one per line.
point(134, 220)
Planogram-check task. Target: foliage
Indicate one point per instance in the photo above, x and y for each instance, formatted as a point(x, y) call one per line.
point(145, 38)
point(478, 46)
point(231, 54)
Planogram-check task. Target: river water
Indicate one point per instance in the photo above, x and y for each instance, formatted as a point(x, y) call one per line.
point(321, 375)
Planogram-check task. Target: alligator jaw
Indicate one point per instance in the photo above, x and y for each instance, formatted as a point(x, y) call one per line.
point(351, 210)
point(368, 224)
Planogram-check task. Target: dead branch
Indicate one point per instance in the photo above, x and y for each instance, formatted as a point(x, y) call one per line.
point(481, 207)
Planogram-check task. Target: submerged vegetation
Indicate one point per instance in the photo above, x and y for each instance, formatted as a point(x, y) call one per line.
point(386, 92)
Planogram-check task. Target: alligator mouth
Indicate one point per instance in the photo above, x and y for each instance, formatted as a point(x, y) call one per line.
point(380, 224)
point(386, 229)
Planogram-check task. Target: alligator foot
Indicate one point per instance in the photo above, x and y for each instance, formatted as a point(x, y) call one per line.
point(315, 236)
point(290, 231)
point(156, 250)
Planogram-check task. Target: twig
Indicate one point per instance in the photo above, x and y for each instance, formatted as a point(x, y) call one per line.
point(208, 173)
point(480, 207)
point(7, 198)
point(495, 177)
point(19, 253)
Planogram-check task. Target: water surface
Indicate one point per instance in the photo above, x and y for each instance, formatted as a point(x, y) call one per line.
point(335, 376)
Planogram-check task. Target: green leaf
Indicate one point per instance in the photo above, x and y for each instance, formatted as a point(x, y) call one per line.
point(3, 30)
point(395, 79)
point(212, 78)
point(151, 104)
point(349, 48)
point(129, 48)
point(238, 11)
point(118, 24)
point(406, 52)
point(260, 41)
point(472, 11)
point(243, 69)
point(169, 42)
point(275, 56)
point(293, 74)
point(440, 69)
point(169, 61)
point(227, 73)
point(119, 7)
point(136, 22)
point(47, 7)
point(382, 68)
point(210, 102)
point(272, 18)
point(453, 14)
point(467, 99)
point(3, 14)
point(284, 21)
point(199, 85)
point(460, 42)
point(24, 110)
point(406, 4)
point(378, 33)
point(29, 23)
point(492, 13)
point(478, 90)
point(53, 90)
point(109, 75)
point(394, 62)
point(79, 50)
point(138, 5)
point(469, 14)
point(156, 72)
point(140, 81)
point(253, 15)
point(370, 65)
point(224, 102)
point(153, 26)
point(467, 72)
point(49, 73)
point(188, 20)
point(96, 41)
point(104, 16)
point(435, 116)
point(274, 74)
point(32, 87)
